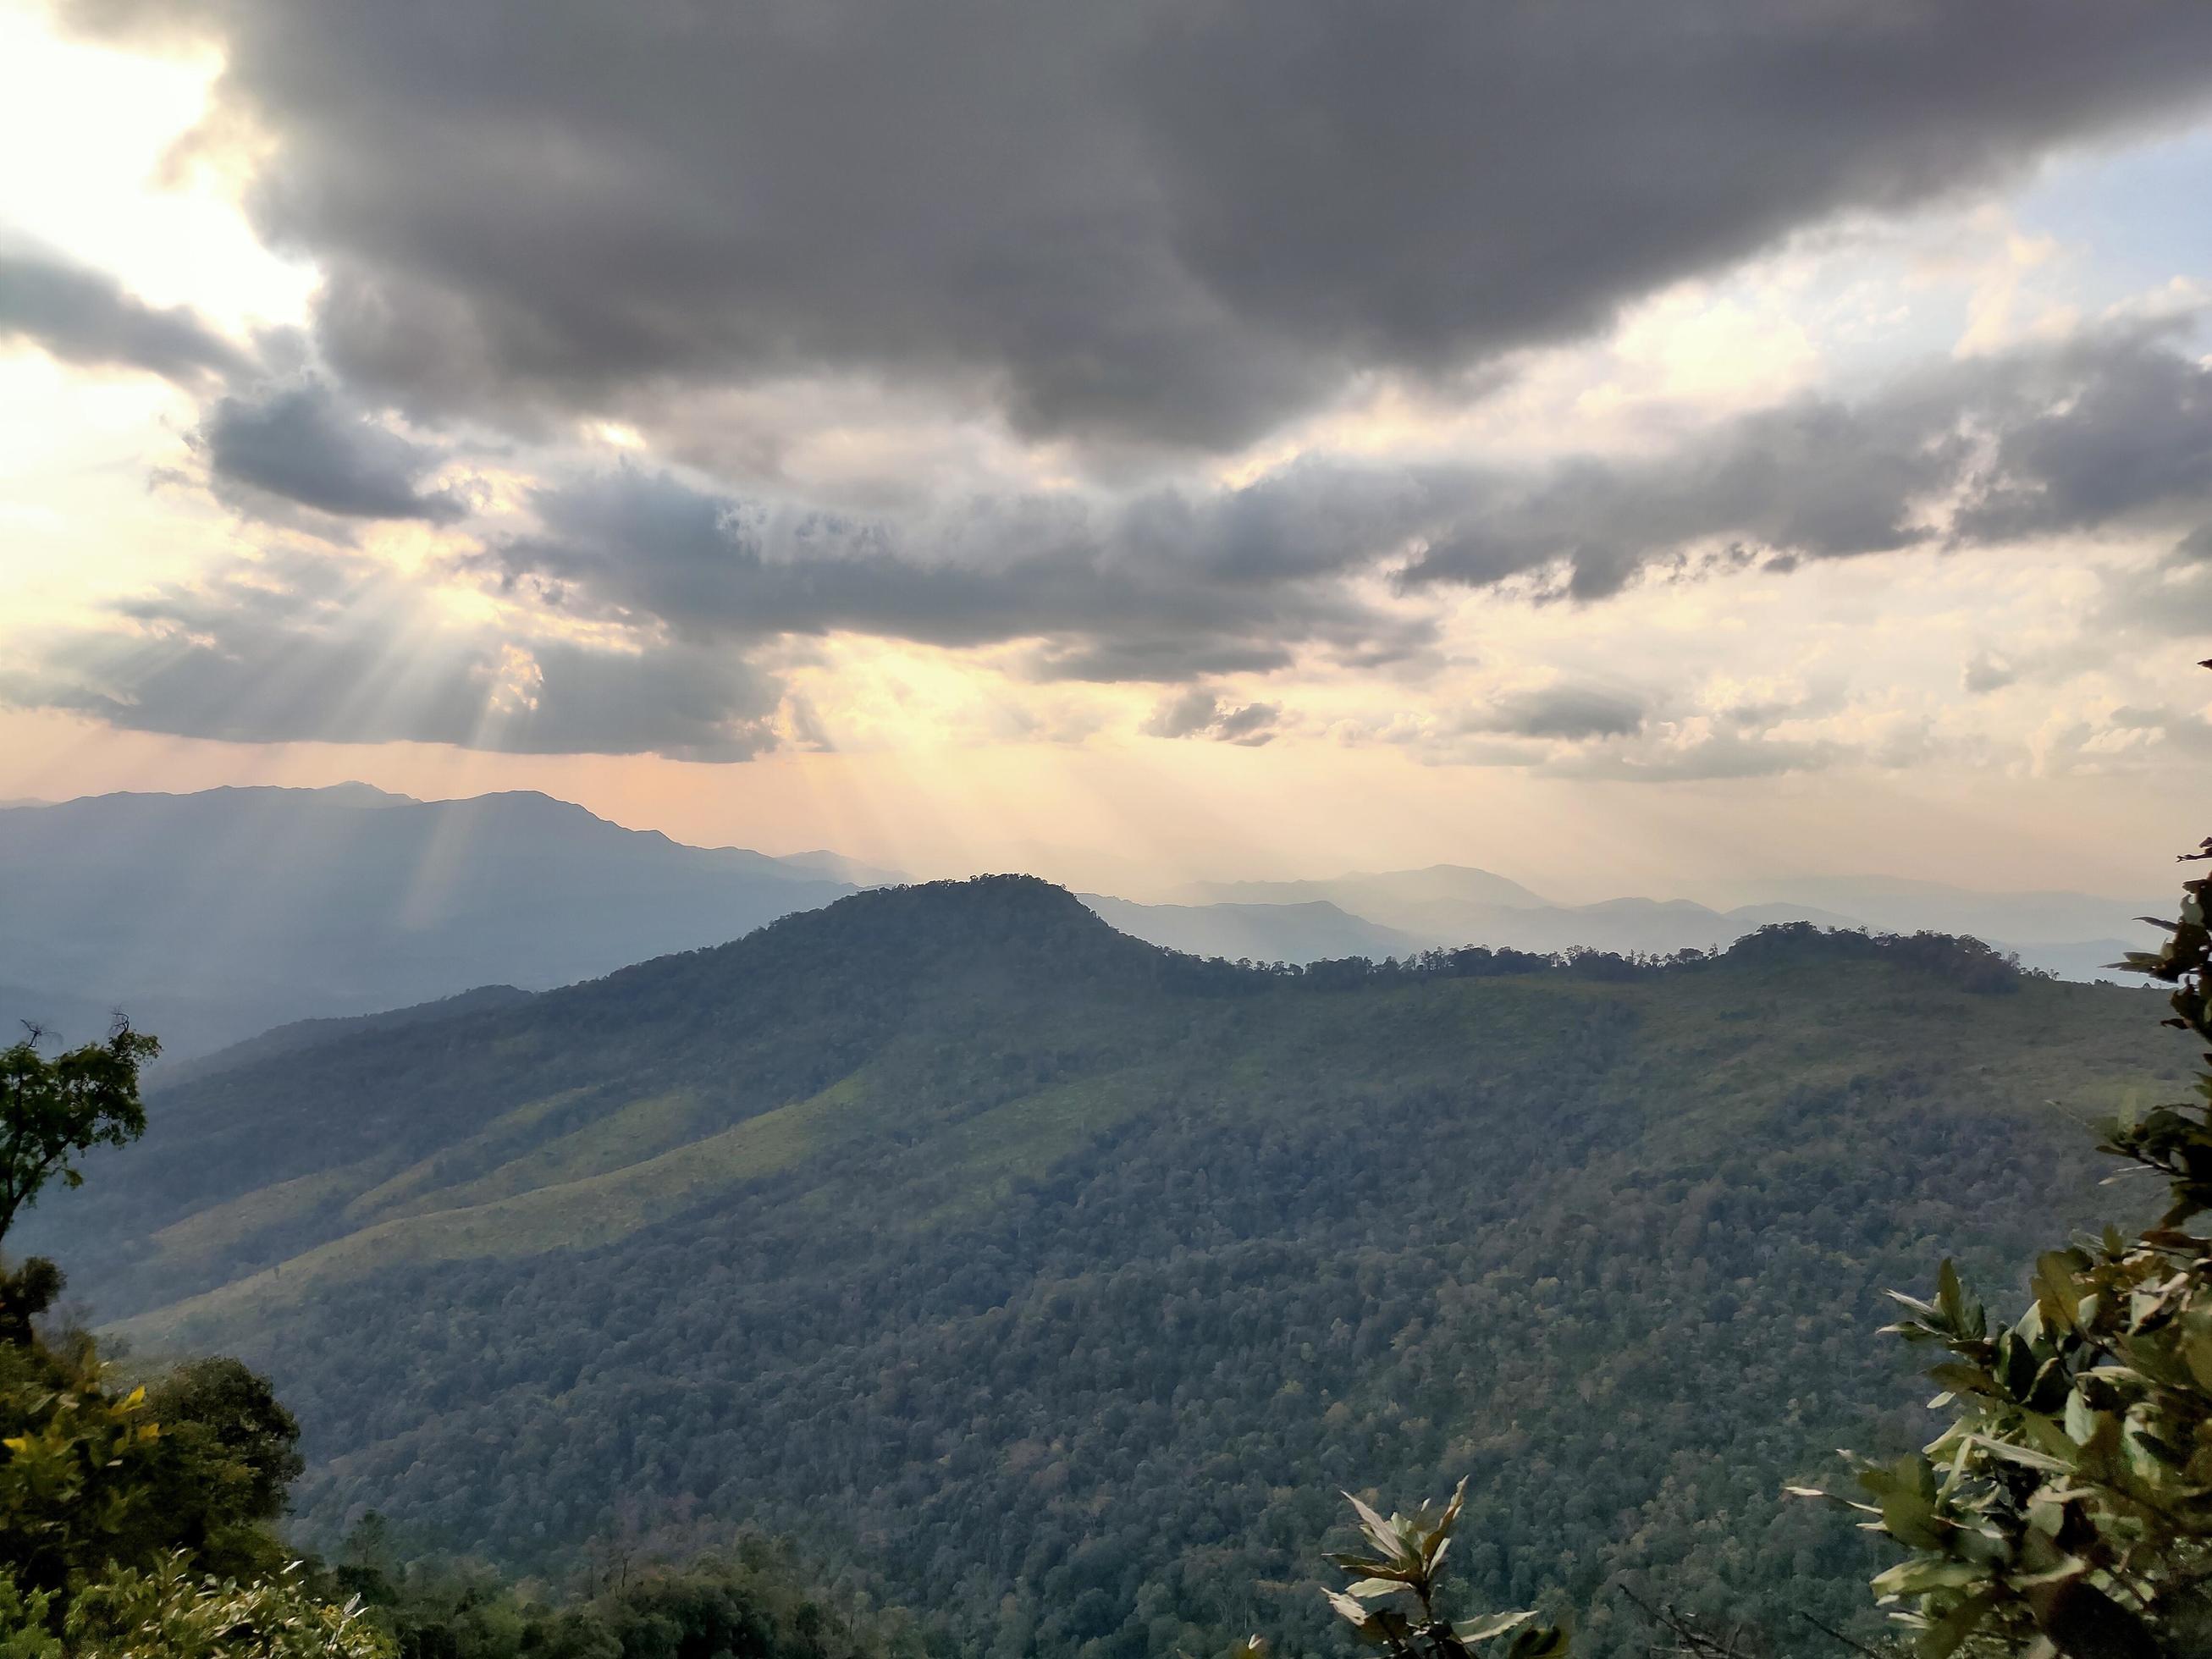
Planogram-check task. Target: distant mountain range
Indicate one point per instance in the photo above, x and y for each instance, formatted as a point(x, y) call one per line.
point(2074, 935)
point(214, 916)
point(1404, 891)
point(1313, 930)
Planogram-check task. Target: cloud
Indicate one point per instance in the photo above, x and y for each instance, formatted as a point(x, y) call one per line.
point(634, 605)
point(1149, 223)
point(1701, 756)
point(1199, 714)
point(2185, 731)
point(1176, 585)
point(1986, 672)
point(2109, 428)
point(1726, 727)
point(84, 316)
point(324, 648)
point(2167, 597)
point(1184, 716)
point(1563, 711)
point(1566, 733)
point(1160, 587)
point(302, 444)
point(1251, 725)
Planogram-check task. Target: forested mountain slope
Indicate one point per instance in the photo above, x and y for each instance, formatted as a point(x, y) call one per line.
point(1059, 1280)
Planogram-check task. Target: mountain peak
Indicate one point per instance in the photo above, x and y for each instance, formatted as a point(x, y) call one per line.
point(967, 912)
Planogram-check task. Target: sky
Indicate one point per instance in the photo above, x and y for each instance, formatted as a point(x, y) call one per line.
point(1632, 448)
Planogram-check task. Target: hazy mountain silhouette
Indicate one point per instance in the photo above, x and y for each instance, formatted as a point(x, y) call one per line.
point(1313, 931)
point(215, 915)
point(212, 917)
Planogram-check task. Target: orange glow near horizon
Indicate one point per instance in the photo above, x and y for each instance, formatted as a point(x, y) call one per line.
point(1139, 818)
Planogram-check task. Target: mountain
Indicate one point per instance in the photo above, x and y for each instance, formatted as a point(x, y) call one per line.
point(2022, 919)
point(1312, 932)
point(1447, 906)
point(1054, 1282)
point(1627, 925)
point(1377, 895)
point(211, 916)
point(310, 1033)
point(2074, 935)
point(835, 866)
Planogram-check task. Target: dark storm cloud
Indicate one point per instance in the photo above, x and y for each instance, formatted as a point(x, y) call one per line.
point(325, 649)
point(302, 444)
point(1163, 587)
point(1180, 222)
point(84, 316)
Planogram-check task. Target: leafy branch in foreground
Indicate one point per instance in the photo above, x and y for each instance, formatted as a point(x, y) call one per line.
point(2067, 1508)
point(172, 1611)
point(1391, 1601)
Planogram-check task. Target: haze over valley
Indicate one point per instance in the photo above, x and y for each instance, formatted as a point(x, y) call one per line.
point(214, 916)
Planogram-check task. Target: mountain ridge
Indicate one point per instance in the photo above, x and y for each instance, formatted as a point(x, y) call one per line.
point(289, 904)
point(951, 1208)
point(217, 914)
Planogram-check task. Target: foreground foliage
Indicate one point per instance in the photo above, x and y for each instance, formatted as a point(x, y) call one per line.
point(2067, 1506)
point(1394, 1600)
point(52, 1111)
point(171, 1612)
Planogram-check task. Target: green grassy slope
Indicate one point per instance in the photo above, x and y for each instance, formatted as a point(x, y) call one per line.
point(1058, 1282)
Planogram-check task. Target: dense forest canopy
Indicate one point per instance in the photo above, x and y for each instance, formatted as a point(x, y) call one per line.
point(1047, 1282)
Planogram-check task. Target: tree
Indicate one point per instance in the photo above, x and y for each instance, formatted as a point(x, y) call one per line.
point(24, 1295)
point(2067, 1507)
point(229, 1452)
point(175, 1611)
point(133, 1524)
point(231, 1412)
point(50, 1110)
